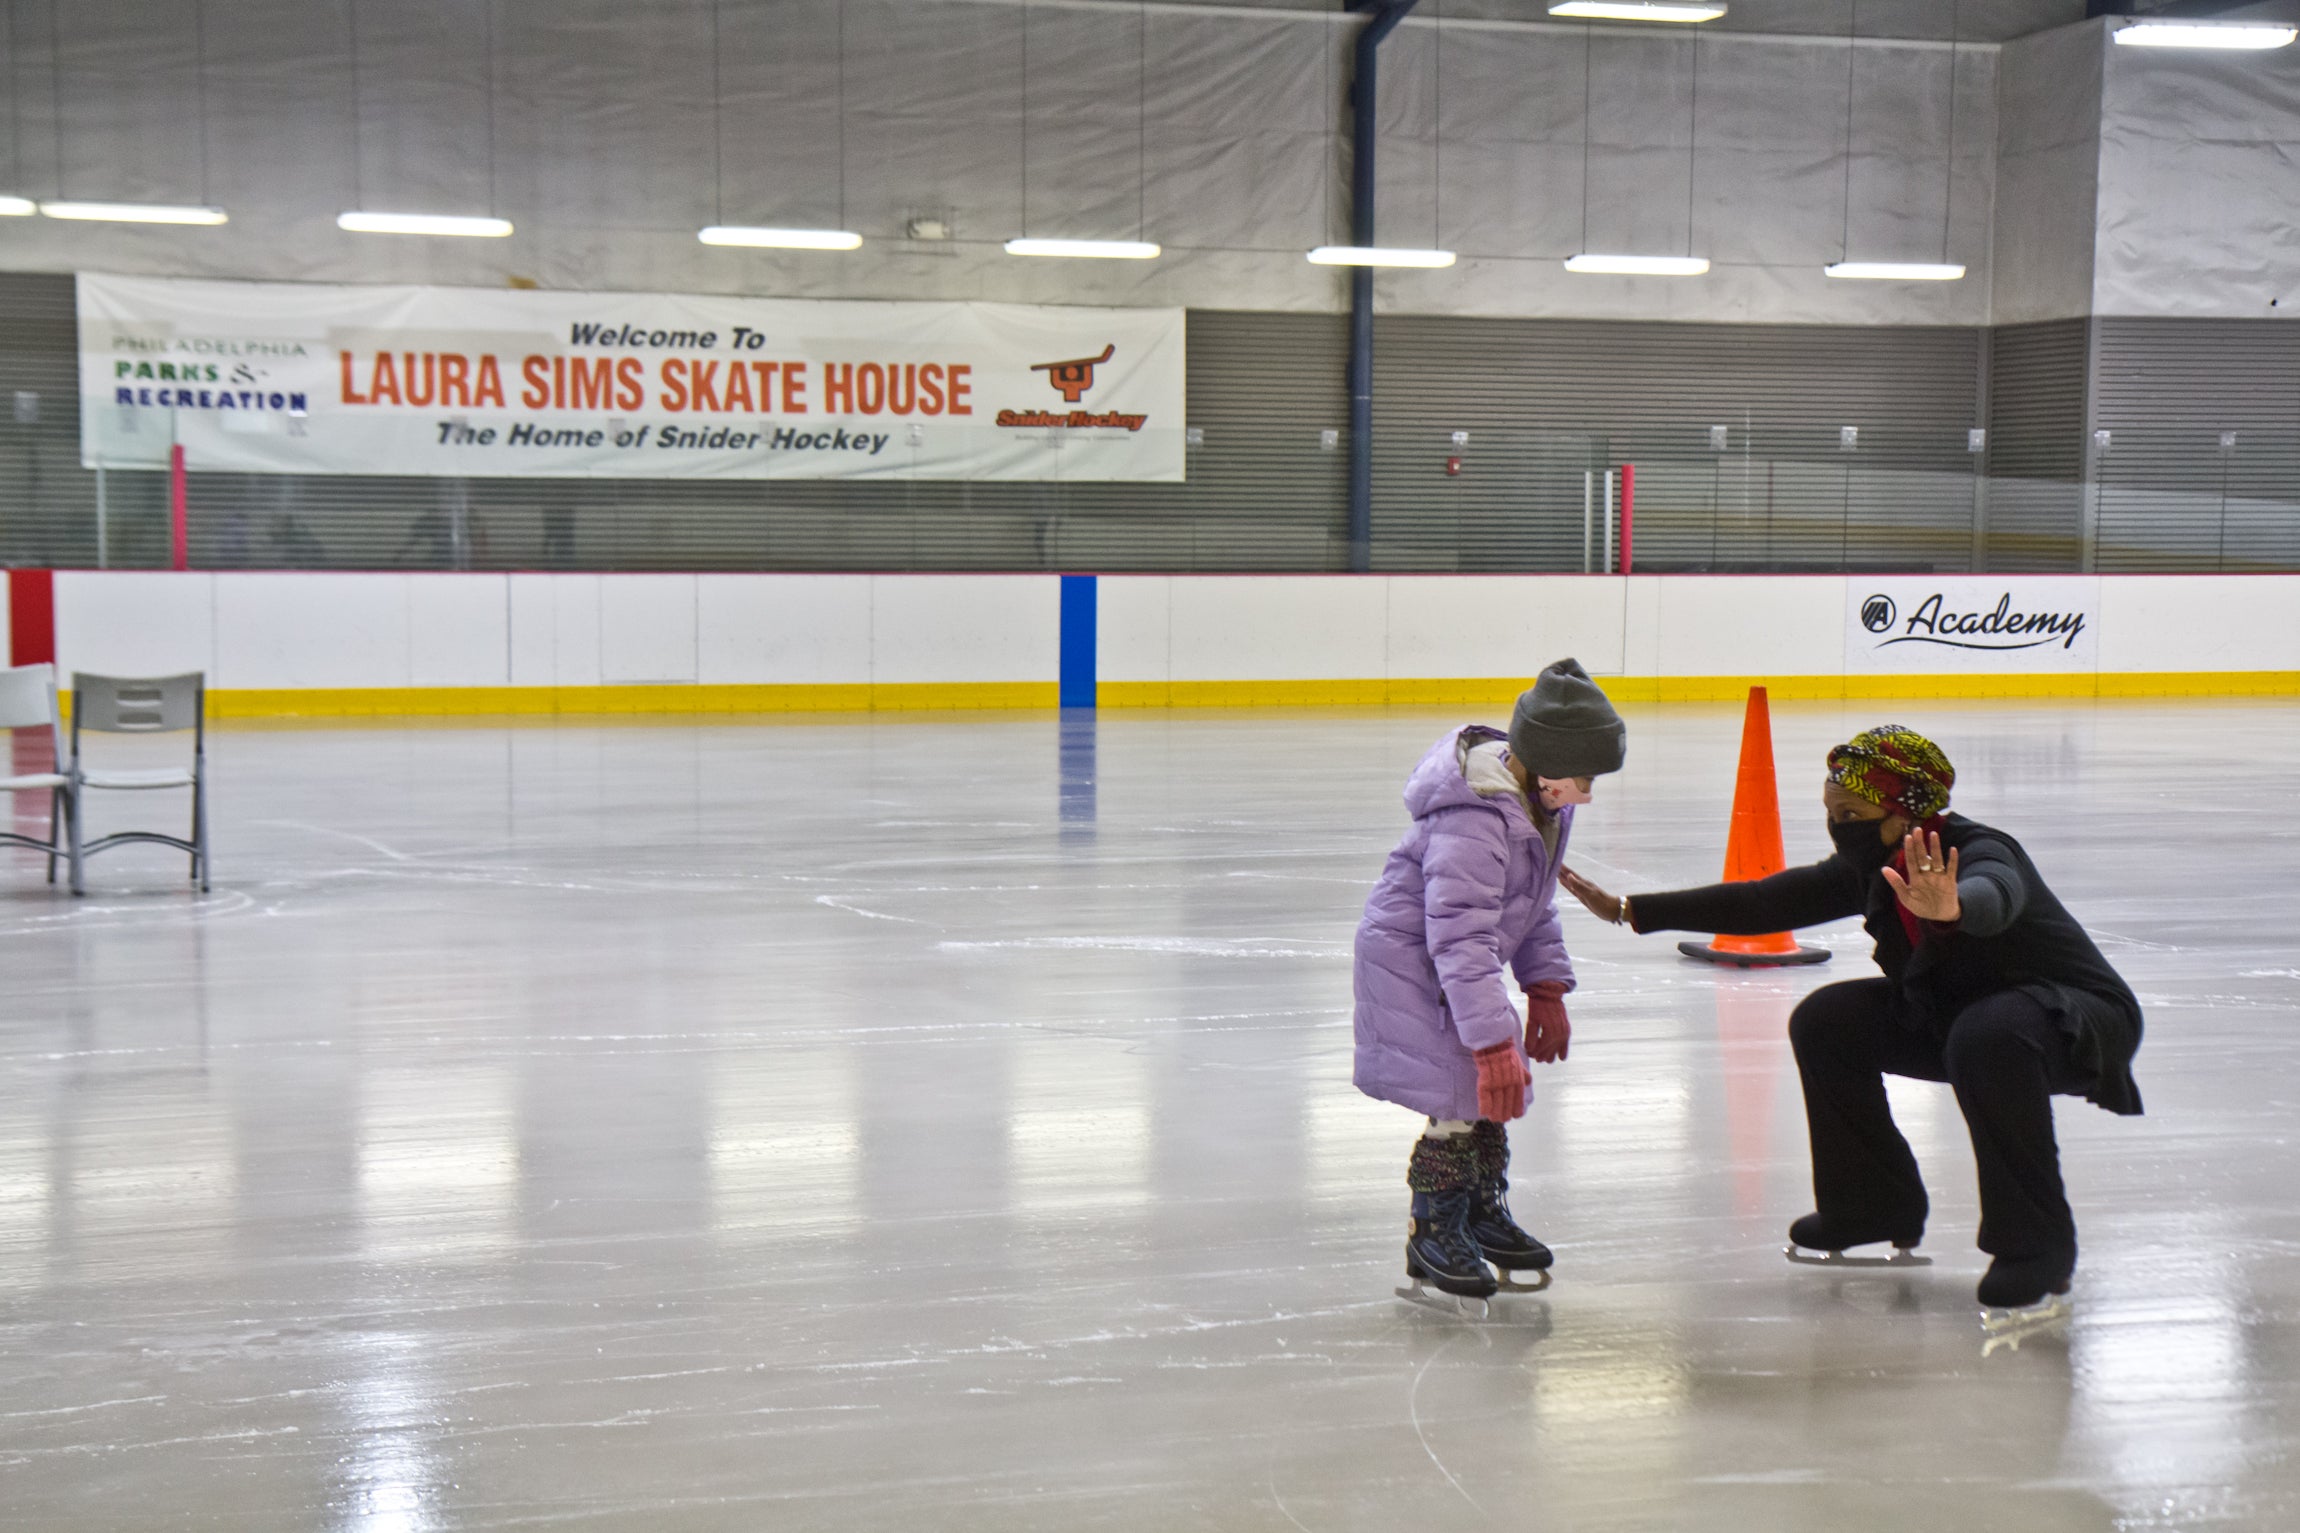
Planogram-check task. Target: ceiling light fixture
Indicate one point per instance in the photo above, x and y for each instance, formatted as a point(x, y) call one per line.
point(1379, 255)
point(780, 239)
point(134, 213)
point(1634, 10)
point(2247, 36)
point(1896, 271)
point(1639, 266)
point(1092, 250)
point(423, 223)
point(18, 207)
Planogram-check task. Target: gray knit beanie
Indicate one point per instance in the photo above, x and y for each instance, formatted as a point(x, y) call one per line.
point(1564, 727)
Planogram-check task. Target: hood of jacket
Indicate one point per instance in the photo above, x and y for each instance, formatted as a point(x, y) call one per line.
point(1442, 781)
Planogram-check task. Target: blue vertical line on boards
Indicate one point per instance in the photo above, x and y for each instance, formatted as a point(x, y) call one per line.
point(1078, 639)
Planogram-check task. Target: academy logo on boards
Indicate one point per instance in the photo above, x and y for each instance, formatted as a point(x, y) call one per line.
point(1071, 379)
point(1997, 628)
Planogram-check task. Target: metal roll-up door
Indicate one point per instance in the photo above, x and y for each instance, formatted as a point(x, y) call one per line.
point(2035, 513)
point(2202, 470)
point(1541, 398)
point(47, 503)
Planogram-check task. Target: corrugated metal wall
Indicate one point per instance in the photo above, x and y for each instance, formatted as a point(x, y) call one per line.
point(2034, 517)
point(1542, 401)
point(2203, 463)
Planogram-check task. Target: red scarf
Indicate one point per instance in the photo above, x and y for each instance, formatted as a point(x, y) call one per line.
point(1900, 864)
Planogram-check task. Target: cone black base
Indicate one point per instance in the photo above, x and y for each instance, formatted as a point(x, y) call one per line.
point(1708, 954)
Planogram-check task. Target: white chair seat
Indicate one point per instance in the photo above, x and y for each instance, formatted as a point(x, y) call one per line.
point(28, 784)
point(168, 777)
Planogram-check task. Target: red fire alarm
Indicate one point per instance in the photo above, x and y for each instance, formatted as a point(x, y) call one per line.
point(1452, 467)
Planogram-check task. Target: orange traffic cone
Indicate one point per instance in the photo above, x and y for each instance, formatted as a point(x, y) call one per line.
point(1753, 849)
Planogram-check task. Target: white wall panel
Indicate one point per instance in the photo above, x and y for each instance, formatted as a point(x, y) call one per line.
point(783, 629)
point(1501, 625)
point(1268, 628)
point(2200, 623)
point(646, 629)
point(555, 630)
point(945, 628)
point(311, 631)
point(1134, 624)
point(458, 630)
point(135, 623)
point(600, 148)
point(1751, 625)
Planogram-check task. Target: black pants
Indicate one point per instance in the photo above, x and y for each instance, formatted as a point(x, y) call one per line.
point(2005, 1055)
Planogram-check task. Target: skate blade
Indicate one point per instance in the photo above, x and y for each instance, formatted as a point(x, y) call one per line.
point(2052, 1311)
point(1511, 1284)
point(1903, 1256)
point(1460, 1306)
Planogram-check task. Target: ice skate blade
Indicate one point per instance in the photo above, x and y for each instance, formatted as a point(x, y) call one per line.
point(1510, 1283)
point(2027, 1320)
point(1903, 1256)
point(1460, 1306)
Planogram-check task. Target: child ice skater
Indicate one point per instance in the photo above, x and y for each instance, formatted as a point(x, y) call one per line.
point(1468, 893)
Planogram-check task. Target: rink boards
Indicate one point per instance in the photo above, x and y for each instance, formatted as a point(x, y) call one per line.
point(321, 644)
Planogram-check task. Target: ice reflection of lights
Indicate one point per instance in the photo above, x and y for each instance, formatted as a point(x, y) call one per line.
point(1623, 1121)
point(1357, 1146)
point(438, 1163)
point(786, 1151)
point(2163, 1395)
point(163, 1181)
point(393, 1475)
point(1078, 1135)
point(23, 1210)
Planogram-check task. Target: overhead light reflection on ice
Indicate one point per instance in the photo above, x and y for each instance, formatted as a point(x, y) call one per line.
point(438, 1163)
point(1078, 1133)
point(786, 1149)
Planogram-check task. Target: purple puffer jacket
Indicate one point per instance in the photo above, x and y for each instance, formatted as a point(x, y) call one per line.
point(1469, 889)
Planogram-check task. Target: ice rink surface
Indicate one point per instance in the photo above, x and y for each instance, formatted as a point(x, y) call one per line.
point(945, 1123)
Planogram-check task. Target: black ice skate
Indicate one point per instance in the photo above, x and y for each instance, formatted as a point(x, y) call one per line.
point(1818, 1241)
point(1441, 1255)
point(2024, 1296)
point(1510, 1250)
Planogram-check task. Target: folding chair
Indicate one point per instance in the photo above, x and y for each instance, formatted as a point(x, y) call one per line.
point(119, 705)
point(28, 700)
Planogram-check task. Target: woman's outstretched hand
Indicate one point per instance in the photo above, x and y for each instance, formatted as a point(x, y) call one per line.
point(1930, 889)
point(1604, 906)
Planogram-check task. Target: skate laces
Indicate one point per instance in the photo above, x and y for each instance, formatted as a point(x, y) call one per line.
point(1449, 1223)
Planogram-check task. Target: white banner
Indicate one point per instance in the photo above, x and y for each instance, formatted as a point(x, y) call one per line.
point(293, 378)
point(1978, 624)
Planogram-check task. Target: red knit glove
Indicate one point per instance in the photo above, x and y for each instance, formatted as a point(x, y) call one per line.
point(1547, 1032)
point(1501, 1081)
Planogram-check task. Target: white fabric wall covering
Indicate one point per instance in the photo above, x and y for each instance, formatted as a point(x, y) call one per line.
point(607, 155)
point(2048, 172)
point(2199, 173)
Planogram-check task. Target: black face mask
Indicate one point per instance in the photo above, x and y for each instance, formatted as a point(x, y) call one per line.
point(1860, 844)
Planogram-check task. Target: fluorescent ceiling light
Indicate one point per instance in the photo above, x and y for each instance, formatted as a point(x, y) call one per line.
point(18, 207)
point(1897, 271)
point(1635, 10)
point(423, 223)
point(134, 212)
point(1378, 255)
point(780, 239)
point(1093, 250)
point(2251, 35)
point(1639, 266)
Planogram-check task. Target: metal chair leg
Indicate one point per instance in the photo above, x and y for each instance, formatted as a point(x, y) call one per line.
point(55, 829)
point(200, 829)
point(73, 856)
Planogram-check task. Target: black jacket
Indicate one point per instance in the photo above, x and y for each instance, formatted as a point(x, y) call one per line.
point(2011, 934)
